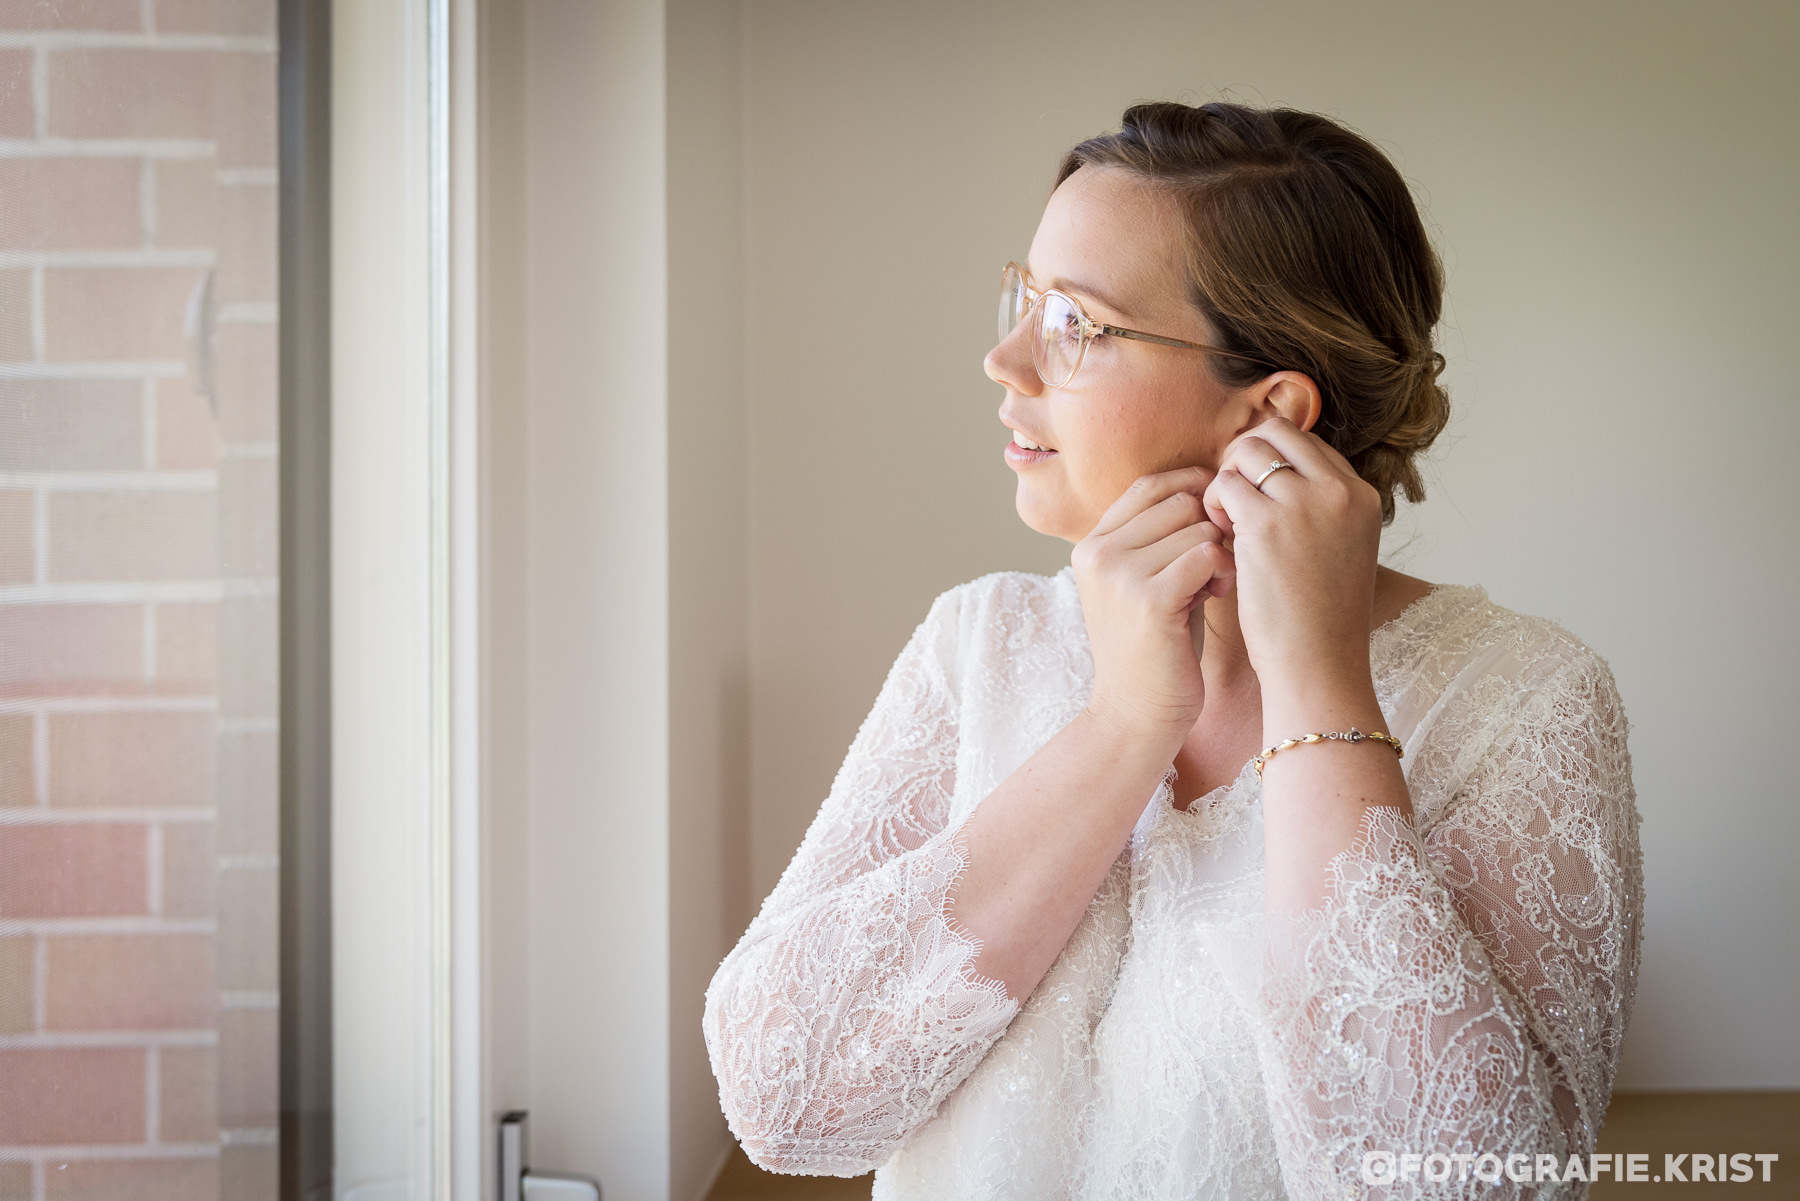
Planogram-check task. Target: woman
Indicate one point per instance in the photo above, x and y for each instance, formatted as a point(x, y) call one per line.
point(1089, 912)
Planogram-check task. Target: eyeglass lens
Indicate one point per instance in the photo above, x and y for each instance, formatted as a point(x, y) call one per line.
point(1057, 342)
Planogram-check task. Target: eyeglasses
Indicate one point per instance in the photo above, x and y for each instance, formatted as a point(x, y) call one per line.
point(1060, 337)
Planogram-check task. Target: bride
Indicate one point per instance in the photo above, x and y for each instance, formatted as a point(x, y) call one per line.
point(1226, 862)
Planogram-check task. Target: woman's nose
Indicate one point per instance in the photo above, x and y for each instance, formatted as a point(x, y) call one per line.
point(1009, 362)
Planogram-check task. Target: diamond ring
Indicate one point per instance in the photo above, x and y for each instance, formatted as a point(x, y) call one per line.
point(1274, 466)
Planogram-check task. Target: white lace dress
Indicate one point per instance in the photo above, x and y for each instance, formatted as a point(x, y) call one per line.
point(1464, 990)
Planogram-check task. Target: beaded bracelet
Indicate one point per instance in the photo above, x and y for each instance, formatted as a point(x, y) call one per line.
point(1352, 735)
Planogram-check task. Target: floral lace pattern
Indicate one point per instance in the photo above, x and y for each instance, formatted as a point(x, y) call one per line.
point(1463, 990)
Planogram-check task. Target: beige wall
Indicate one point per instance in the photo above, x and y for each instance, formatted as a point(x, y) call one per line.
point(708, 561)
point(733, 508)
point(1612, 187)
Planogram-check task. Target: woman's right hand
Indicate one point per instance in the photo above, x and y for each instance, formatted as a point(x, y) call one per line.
point(1144, 573)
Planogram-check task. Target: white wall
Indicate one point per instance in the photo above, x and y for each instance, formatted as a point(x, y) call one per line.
point(1612, 187)
point(616, 576)
point(596, 541)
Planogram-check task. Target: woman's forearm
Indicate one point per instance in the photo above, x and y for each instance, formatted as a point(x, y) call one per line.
point(1040, 845)
point(1314, 796)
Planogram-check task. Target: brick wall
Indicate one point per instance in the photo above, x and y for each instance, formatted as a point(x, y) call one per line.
point(138, 977)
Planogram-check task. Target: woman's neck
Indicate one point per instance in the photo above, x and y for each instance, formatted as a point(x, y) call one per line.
point(1226, 663)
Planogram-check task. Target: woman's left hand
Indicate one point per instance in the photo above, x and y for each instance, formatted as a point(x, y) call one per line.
point(1306, 545)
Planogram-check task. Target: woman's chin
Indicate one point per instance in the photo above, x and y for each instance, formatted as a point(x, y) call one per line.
point(1045, 519)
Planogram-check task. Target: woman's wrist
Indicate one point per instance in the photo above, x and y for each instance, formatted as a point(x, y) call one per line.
point(1130, 734)
point(1317, 702)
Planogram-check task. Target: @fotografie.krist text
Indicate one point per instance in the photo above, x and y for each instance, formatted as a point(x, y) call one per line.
point(1387, 1167)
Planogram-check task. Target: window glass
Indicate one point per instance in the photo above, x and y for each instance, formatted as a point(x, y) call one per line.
point(138, 599)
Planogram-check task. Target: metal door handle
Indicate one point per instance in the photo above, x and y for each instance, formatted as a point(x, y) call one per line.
point(519, 1183)
point(548, 1186)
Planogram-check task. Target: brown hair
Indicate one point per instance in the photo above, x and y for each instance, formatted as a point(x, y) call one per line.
point(1305, 251)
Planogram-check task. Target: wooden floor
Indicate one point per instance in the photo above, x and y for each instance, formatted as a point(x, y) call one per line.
point(1712, 1123)
point(1652, 1123)
point(744, 1181)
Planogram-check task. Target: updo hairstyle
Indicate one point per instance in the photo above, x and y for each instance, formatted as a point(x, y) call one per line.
point(1305, 250)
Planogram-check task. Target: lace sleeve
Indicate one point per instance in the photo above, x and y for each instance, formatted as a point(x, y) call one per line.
point(849, 1010)
point(1465, 994)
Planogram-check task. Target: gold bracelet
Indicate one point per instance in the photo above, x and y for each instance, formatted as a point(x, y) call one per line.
point(1351, 735)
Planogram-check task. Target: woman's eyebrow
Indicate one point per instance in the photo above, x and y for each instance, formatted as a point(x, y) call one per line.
point(1082, 289)
point(1093, 293)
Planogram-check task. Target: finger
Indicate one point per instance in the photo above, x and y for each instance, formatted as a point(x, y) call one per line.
point(1224, 577)
point(1190, 573)
point(1177, 511)
point(1283, 439)
point(1154, 557)
point(1253, 458)
point(1231, 498)
point(1148, 490)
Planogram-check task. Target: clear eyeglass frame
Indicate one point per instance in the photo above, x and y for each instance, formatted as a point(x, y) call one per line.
point(1062, 329)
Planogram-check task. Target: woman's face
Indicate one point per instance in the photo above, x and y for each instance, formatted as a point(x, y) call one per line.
point(1133, 407)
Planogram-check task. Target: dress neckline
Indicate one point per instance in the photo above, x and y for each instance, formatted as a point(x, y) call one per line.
point(1381, 643)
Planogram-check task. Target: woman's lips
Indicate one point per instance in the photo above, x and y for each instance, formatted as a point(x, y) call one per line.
point(1023, 451)
point(1018, 456)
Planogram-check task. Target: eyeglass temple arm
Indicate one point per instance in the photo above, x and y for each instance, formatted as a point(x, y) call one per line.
point(1120, 332)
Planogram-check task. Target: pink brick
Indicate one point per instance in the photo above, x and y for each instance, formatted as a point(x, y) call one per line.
point(104, 15)
point(15, 316)
point(245, 121)
point(249, 541)
point(244, 372)
point(18, 785)
point(18, 985)
point(16, 113)
point(249, 929)
point(249, 1173)
point(116, 313)
point(62, 650)
point(136, 1180)
point(247, 243)
point(187, 649)
point(190, 1095)
point(185, 197)
point(127, 759)
point(131, 93)
point(133, 536)
point(130, 982)
point(249, 808)
point(18, 539)
point(190, 869)
point(189, 16)
point(249, 656)
point(88, 869)
point(72, 1095)
point(249, 1053)
point(70, 203)
point(249, 17)
point(71, 425)
point(15, 1181)
point(187, 433)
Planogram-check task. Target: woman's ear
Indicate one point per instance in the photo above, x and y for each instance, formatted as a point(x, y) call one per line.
point(1292, 395)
